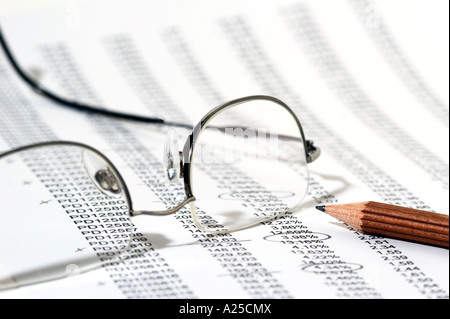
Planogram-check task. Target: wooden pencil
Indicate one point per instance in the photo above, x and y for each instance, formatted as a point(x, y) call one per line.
point(393, 221)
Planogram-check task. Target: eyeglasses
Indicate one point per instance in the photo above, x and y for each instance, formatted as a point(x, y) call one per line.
point(244, 163)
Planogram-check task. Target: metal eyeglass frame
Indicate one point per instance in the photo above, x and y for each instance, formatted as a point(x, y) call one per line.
point(311, 151)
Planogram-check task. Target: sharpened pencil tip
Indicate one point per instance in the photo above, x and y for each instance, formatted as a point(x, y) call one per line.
point(321, 208)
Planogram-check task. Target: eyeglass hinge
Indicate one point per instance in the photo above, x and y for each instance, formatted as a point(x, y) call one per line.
point(312, 151)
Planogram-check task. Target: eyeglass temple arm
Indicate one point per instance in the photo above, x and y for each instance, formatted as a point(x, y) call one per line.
point(73, 104)
point(312, 151)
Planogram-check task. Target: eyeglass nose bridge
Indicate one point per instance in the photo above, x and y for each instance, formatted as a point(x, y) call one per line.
point(172, 158)
point(176, 165)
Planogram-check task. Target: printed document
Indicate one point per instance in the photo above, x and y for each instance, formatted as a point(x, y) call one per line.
point(368, 81)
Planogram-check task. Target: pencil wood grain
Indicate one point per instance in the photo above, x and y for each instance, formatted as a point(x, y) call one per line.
point(393, 221)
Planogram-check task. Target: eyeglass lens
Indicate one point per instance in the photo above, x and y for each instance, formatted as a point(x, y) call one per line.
point(248, 165)
point(69, 227)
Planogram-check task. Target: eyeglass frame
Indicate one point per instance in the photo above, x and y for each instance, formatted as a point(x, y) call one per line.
point(312, 152)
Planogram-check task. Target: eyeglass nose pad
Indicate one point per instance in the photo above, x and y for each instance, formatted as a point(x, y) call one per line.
point(172, 157)
point(101, 175)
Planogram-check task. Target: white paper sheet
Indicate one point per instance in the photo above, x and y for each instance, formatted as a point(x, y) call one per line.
point(368, 82)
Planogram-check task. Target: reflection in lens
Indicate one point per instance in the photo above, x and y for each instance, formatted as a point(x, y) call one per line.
point(56, 219)
point(248, 165)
